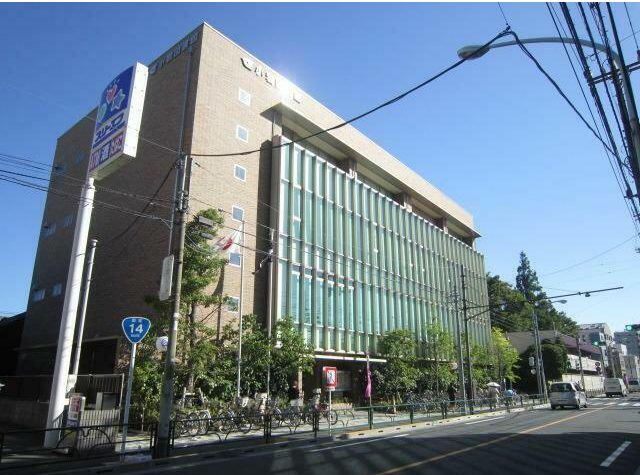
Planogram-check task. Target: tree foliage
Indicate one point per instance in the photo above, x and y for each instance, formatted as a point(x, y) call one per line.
point(398, 376)
point(496, 362)
point(207, 361)
point(517, 304)
point(441, 350)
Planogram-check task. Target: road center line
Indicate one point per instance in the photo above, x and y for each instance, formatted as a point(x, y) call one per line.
point(482, 444)
point(611, 458)
point(333, 447)
point(484, 420)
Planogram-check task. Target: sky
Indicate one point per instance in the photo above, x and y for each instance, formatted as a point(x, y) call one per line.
point(493, 134)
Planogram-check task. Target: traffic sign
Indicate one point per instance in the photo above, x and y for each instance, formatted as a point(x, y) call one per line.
point(135, 328)
point(330, 377)
point(633, 327)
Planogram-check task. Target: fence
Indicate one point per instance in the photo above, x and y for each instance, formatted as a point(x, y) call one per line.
point(23, 448)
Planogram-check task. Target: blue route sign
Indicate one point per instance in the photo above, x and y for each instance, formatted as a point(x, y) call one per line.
point(135, 328)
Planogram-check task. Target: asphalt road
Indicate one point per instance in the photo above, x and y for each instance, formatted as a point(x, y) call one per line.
point(603, 439)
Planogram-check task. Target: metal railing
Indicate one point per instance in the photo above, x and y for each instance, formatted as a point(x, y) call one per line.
point(19, 448)
point(22, 448)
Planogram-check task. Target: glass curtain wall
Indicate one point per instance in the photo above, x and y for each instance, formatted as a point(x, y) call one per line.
point(353, 263)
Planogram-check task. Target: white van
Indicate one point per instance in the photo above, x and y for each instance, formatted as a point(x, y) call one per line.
point(634, 386)
point(567, 394)
point(615, 386)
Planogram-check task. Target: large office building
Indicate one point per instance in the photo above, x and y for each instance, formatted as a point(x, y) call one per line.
point(363, 244)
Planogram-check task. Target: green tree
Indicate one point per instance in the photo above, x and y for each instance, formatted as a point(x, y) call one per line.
point(398, 376)
point(554, 359)
point(516, 315)
point(440, 347)
point(202, 357)
point(289, 355)
point(527, 280)
point(201, 269)
point(508, 305)
point(496, 362)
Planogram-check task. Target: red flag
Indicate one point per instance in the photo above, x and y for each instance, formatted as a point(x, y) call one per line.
point(225, 242)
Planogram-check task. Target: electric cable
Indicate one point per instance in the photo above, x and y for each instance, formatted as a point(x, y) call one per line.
point(364, 114)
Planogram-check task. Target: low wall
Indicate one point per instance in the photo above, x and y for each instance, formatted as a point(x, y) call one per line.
point(20, 413)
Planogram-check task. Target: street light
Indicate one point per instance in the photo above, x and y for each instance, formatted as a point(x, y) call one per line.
point(475, 51)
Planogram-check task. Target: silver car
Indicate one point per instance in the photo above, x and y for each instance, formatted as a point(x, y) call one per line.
point(567, 394)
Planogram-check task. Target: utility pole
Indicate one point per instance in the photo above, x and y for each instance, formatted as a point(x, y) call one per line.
point(460, 351)
point(240, 310)
point(542, 384)
point(83, 309)
point(468, 341)
point(270, 303)
point(59, 385)
point(580, 360)
point(166, 396)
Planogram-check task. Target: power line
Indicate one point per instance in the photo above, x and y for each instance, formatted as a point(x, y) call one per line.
point(364, 114)
point(14, 160)
point(589, 259)
point(89, 117)
point(601, 111)
point(506, 22)
point(35, 186)
point(633, 33)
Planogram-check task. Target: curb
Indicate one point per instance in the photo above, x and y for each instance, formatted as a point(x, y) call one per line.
point(419, 425)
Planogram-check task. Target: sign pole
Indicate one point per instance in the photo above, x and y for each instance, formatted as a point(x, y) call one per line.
point(58, 396)
point(329, 418)
point(135, 329)
point(127, 399)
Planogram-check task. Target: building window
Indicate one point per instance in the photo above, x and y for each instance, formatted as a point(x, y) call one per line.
point(233, 304)
point(244, 97)
point(234, 259)
point(242, 133)
point(49, 229)
point(67, 221)
point(237, 213)
point(240, 172)
point(38, 295)
point(56, 290)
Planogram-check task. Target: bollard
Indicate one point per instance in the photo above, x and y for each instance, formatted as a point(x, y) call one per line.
point(267, 428)
point(316, 423)
point(370, 414)
point(411, 413)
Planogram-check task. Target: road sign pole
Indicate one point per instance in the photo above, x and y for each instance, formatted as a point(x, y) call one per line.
point(127, 400)
point(135, 329)
point(329, 418)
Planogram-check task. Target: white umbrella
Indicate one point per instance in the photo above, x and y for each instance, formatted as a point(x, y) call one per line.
point(492, 384)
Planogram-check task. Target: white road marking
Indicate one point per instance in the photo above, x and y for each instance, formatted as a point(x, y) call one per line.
point(637, 404)
point(611, 458)
point(484, 420)
point(598, 403)
point(624, 404)
point(609, 403)
point(333, 447)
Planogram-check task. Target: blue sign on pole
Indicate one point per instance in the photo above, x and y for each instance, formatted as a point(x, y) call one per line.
point(135, 328)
